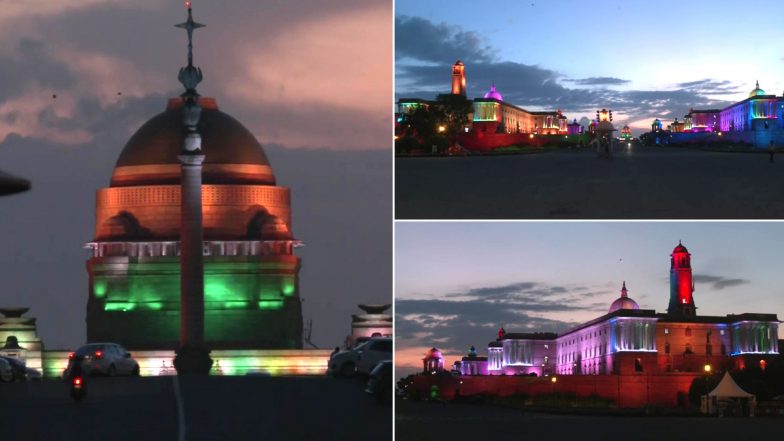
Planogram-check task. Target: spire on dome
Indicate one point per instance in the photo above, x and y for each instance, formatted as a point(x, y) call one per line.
point(624, 291)
point(190, 76)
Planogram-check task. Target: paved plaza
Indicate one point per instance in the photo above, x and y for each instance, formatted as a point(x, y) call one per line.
point(415, 421)
point(638, 183)
point(215, 408)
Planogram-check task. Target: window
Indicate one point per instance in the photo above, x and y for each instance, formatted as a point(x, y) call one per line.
point(688, 332)
point(667, 347)
point(637, 365)
point(666, 331)
point(708, 349)
point(721, 331)
point(723, 350)
point(688, 349)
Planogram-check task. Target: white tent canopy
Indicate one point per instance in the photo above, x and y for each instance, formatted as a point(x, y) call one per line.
point(727, 388)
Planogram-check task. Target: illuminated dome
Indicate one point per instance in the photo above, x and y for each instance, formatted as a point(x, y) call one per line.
point(680, 248)
point(494, 94)
point(623, 302)
point(756, 92)
point(434, 353)
point(232, 153)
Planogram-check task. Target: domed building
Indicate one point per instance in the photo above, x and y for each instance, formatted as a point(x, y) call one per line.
point(756, 120)
point(251, 297)
point(629, 340)
point(241, 242)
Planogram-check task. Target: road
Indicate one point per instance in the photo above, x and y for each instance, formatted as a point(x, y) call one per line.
point(215, 408)
point(457, 422)
point(640, 183)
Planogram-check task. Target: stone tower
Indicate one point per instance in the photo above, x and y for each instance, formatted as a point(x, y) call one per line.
point(681, 284)
point(458, 78)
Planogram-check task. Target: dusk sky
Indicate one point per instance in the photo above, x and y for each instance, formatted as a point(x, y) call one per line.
point(642, 59)
point(293, 72)
point(458, 283)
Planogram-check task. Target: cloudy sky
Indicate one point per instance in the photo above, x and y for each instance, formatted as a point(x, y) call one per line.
point(642, 59)
point(294, 72)
point(458, 283)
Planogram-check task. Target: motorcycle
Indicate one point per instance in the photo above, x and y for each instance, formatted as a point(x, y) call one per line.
point(78, 388)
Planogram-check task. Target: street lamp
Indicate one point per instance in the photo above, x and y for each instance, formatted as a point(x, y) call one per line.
point(707, 368)
point(441, 129)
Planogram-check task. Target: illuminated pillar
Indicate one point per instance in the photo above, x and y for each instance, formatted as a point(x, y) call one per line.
point(458, 78)
point(192, 356)
point(681, 284)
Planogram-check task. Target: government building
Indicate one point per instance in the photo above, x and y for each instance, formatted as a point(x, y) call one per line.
point(495, 122)
point(631, 340)
point(755, 121)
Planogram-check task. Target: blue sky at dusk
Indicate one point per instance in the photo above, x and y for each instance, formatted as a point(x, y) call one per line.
point(641, 59)
point(457, 283)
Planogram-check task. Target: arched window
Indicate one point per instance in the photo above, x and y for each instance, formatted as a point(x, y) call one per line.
point(667, 347)
point(688, 349)
point(688, 332)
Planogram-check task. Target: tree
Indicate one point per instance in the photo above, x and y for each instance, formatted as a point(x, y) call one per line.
point(452, 112)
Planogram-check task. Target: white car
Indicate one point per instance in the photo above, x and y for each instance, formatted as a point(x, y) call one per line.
point(104, 359)
point(362, 359)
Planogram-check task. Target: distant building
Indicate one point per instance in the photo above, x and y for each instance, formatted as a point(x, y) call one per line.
point(491, 115)
point(756, 120)
point(626, 133)
point(630, 340)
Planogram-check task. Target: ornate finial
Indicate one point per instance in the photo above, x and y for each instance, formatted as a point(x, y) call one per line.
point(623, 290)
point(190, 76)
point(757, 84)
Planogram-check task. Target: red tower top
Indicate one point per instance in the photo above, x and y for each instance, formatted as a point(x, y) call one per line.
point(681, 283)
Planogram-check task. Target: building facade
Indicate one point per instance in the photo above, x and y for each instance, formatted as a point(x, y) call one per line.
point(251, 292)
point(629, 340)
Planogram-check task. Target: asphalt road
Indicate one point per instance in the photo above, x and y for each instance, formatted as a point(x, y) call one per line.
point(457, 422)
point(640, 183)
point(215, 408)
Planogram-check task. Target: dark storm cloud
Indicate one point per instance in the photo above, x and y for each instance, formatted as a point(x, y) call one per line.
point(423, 40)
point(457, 320)
point(710, 87)
point(457, 325)
point(599, 81)
point(535, 296)
point(531, 85)
point(719, 282)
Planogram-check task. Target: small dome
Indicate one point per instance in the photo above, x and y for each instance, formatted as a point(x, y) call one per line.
point(434, 353)
point(756, 92)
point(623, 302)
point(458, 63)
point(494, 94)
point(680, 248)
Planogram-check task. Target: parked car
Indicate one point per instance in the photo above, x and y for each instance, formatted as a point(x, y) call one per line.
point(104, 359)
point(18, 368)
point(380, 383)
point(6, 371)
point(362, 359)
point(33, 374)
